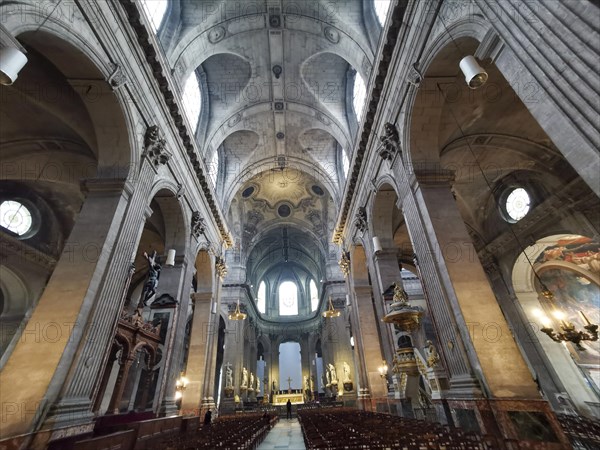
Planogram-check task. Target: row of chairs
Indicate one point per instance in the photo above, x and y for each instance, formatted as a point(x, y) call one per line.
point(583, 433)
point(343, 428)
point(244, 432)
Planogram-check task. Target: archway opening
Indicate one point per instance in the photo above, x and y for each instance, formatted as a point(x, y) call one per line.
point(290, 366)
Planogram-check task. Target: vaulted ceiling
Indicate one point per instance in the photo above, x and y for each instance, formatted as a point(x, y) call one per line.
point(277, 81)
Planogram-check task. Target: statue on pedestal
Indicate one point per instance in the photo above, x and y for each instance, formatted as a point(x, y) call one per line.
point(244, 378)
point(228, 380)
point(251, 386)
point(332, 373)
point(433, 358)
point(346, 367)
point(228, 375)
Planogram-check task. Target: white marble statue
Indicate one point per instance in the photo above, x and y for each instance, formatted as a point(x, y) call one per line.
point(346, 372)
point(257, 384)
point(244, 377)
point(251, 380)
point(333, 373)
point(228, 375)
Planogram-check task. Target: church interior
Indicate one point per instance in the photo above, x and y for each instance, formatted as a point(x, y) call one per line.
point(379, 216)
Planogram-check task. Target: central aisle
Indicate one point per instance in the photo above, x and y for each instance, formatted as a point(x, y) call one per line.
point(287, 434)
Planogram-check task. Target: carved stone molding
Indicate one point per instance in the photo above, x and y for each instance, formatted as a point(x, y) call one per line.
point(360, 220)
point(155, 146)
point(117, 78)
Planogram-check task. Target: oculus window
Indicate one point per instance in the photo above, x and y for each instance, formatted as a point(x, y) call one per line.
point(517, 204)
point(16, 217)
point(288, 299)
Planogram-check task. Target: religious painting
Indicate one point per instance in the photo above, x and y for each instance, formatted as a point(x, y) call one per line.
point(571, 270)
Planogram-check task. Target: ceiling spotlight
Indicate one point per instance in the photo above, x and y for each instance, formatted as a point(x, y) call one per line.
point(475, 75)
point(12, 61)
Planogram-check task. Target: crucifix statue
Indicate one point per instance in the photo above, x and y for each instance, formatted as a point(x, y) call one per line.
point(289, 380)
point(152, 281)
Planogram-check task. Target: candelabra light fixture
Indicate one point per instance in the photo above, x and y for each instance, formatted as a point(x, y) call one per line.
point(568, 333)
point(331, 311)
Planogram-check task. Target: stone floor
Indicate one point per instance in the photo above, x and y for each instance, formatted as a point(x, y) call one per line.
point(287, 434)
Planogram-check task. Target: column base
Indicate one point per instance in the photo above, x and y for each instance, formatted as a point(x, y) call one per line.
point(207, 403)
point(227, 406)
point(69, 412)
point(169, 407)
point(531, 421)
point(464, 387)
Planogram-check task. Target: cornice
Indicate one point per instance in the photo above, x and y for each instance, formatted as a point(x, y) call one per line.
point(166, 88)
point(381, 70)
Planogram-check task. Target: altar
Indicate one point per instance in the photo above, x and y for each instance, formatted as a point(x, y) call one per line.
point(295, 397)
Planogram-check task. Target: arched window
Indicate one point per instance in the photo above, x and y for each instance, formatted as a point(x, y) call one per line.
point(213, 168)
point(261, 298)
point(314, 296)
point(192, 100)
point(288, 299)
point(359, 96)
point(155, 10)
point(381, 10)
point(345, 163)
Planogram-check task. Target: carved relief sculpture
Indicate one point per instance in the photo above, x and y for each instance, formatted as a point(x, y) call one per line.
point(390, 141)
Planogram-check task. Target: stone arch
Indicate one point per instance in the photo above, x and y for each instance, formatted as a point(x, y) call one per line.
point(114, 140)
point(382, 213)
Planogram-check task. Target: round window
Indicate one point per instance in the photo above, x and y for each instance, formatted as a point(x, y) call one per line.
point(248, 191)
point(517, 204)
point(16, 217)
point(284, 211)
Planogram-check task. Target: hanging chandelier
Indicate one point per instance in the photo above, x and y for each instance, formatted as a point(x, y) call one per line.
point(237, 314)
point(331, 311)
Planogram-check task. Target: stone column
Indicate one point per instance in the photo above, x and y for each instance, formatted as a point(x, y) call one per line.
point(478, 316)
point(385, 270)
point(115, 402)
point(232, 354)
point(75, 384)
point(196, 364)
point(371, 348)
point(174, 281)
point(212, 319)
point(89, 265)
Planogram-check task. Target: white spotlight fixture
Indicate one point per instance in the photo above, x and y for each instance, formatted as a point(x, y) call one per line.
point(12, 61)
point(170, 258)
point(475, 75)
point(377, 245)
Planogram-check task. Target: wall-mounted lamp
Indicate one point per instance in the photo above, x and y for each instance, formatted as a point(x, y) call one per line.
point(377, 245)
point(383, 369)
point(12, 61)
point(171, 258)
point(475, 75)
point(180, 385)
